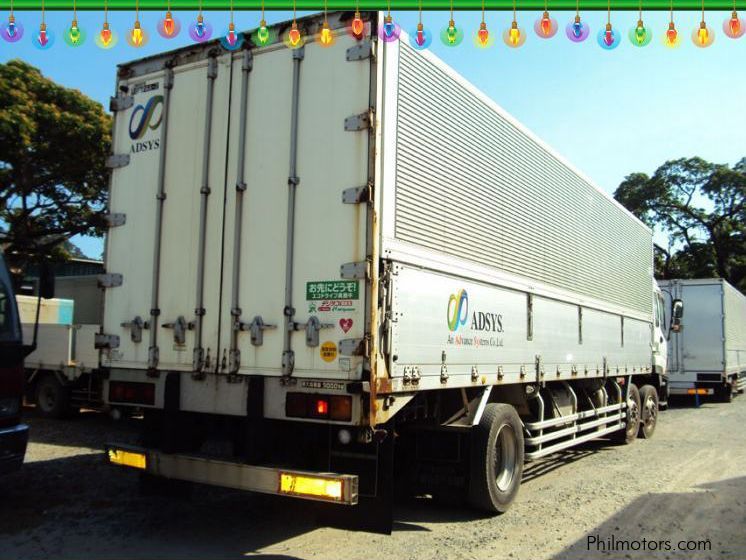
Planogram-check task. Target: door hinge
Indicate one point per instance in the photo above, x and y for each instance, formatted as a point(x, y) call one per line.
point(105, 341)
point(357, 195)
point(115, 220)
point(121, 102)
point(110, 280)
point(115, 161)
point(361, 51)
point(355, 270)
point(359, 122)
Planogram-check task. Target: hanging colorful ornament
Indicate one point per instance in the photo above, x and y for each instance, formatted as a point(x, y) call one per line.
point(200, 31)
point(137, 37)
point(294, 38)
point(577, 31)
point(608, 38)
point(451, 35)
point(389, 31)
point(262, 35)
point(640, 36)
point(44, 39)
point(325, 36)
point(74, 36)
point(231, 40)
point(420, 38)
point(734, 27)
point(513, 36)
point(106, 38)
point(671, 38)
point(703, 36)
point(357, 26)
point(482, 38)
point(169, 27)
point(13, 30)
point(546, 26)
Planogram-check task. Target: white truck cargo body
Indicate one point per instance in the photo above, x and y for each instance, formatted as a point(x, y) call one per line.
point(359, 222)
point(708, 354)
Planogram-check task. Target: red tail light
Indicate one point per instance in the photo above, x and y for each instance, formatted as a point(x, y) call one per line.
point(131, 392)
point(327, 407)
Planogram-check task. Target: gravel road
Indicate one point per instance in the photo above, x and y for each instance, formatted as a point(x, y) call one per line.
point(688, 483)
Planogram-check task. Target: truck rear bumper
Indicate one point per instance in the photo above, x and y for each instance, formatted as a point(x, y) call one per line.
point(13, 443)
point(325, 487)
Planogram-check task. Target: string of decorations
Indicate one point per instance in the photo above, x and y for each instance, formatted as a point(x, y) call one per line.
point(545, 27)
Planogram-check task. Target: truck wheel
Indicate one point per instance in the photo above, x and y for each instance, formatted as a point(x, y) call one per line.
point(496, 459)
point(648, 411)
point(52, 398)
point(629, 433)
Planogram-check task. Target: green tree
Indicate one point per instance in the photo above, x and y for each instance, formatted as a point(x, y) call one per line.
point(701, 207)
point(54, 142)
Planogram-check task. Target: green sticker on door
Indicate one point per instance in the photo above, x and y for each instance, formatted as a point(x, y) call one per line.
point(332, 290)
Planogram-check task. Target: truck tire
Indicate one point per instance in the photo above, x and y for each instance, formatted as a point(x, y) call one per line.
point(52, 398)
point(629, 433)
point(648, 411)
point(496, 459)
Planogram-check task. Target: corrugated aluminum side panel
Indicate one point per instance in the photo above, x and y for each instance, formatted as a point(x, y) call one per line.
point(472, 184)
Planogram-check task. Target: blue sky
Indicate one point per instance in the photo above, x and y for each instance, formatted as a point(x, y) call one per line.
point(609, 112)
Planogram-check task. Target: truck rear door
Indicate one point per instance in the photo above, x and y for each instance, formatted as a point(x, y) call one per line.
point(288, 231)
point(170, 194)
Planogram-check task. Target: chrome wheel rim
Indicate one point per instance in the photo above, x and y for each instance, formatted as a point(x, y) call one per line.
point(633, 415)
point(651, 412)
point(506, 458)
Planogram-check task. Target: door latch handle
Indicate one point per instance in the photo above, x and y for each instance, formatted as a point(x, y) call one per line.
point(313, 326)
point(180, 327)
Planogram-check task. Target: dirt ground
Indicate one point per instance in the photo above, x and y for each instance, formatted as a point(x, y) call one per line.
point(686, 484)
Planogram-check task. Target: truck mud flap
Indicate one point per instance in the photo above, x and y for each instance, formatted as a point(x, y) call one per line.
point(374, 514)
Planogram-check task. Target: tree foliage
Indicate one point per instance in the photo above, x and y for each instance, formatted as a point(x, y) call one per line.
point(54, 142)
point(701, 208)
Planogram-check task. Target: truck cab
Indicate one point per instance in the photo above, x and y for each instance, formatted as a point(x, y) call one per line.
point(13, 433)
point(660, 332)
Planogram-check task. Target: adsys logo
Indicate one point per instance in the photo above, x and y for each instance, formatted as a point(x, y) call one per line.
point(458, 310)
point(143, 116)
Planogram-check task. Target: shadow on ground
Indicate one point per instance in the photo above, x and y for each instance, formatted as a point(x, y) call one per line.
point(695, 524)
point(88, 508)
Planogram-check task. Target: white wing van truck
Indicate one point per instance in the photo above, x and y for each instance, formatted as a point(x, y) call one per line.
point(358, 270)
point(707, 356)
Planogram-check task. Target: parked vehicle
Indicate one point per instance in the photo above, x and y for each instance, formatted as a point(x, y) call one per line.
point(707, 356)
point(359, 271)
point(62, 373)
point(13, 432)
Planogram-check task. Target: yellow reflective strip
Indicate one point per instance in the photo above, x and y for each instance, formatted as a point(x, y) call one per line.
point(127, 458)
point(311, 486)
